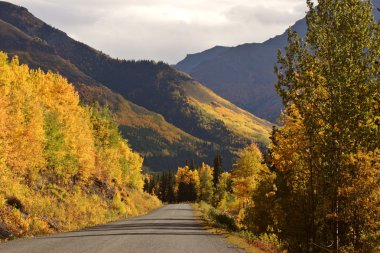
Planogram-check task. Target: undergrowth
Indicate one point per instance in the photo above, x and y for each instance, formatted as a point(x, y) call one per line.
point(266, 242)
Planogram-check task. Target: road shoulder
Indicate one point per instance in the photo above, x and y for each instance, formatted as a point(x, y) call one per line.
point(231, 237)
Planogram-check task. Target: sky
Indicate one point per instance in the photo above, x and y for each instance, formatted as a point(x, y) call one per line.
point(166, 30)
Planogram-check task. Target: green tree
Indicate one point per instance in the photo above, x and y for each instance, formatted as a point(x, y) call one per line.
point(206, 187)
point(163, 187)
point(192, 164)
point(171, 185)
point(61, 163)
point(218, 169)
point(223, 191)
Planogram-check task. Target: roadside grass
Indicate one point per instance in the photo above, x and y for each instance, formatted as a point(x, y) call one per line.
point(226, 230)
point(37, 216)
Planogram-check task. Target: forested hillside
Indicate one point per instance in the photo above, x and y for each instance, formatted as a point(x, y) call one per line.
point(211, 123)
point(63, 166)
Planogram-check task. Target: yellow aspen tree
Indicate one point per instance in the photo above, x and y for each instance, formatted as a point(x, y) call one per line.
point(24, 127)
point(246, 173)
point(131, 164)
point(75, 124)
point(4, 104)
point(186, 184)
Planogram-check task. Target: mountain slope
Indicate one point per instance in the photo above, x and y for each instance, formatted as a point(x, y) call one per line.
point(244, 74)
point(157, 87)
point(162, 144)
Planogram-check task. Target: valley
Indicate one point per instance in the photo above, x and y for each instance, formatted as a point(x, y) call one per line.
point(260, 147)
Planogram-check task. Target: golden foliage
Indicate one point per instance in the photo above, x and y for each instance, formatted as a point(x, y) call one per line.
point(247, 173)
point(187, 184)
point(206, 187)
point(62, 166)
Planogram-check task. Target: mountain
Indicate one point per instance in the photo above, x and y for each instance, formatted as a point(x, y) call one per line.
point(149, 133)
point(244, 74)
point(165, 114)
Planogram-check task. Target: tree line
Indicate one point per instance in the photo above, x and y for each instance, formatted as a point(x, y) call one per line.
point(190, 183)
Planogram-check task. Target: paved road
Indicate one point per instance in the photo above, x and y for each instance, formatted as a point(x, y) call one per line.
point(171, 228)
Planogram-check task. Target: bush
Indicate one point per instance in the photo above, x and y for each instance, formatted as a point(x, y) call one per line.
point(218, 218)
point(266, 242)
point(221, 219)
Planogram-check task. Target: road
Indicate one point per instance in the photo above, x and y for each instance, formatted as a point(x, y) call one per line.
point(172, 228)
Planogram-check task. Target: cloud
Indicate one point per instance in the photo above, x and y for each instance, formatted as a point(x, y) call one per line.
point(265, 15)
point(166, 29)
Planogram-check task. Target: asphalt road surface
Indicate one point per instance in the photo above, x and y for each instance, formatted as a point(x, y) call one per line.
point(172, 228)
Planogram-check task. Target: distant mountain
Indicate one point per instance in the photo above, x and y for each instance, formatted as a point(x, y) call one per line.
point(244, 74)
point(164, 113)
point(193, 60)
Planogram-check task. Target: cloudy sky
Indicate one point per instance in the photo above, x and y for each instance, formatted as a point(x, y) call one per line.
point(166, 29)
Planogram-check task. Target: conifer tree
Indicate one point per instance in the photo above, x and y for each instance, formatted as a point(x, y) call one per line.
point(170, 191)
point(218, 169)
point(192, 164)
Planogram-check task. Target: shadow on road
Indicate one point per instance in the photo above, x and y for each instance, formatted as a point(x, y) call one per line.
point(168, 226)
point(139, 226)
point(182, 209)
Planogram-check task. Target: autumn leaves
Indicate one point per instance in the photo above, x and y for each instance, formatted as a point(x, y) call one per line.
point(66, 163)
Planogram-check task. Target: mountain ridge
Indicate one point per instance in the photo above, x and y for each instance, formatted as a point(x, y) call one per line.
point(244, 74)
point(211, 123)
point(38, 54)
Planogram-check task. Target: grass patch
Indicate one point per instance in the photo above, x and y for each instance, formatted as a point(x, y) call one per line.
point(213, 222)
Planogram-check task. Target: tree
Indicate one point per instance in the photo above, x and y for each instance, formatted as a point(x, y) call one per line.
point(59, 161)
point(223, 191)
point(217, 168)
point(22, 135)
point(187, 184)
point(166, 187)
point(206, 187)
point(296, 191)
point(331, 79)
point(247, 172)
point(163, 186)
point(192, 164)
point(170, 190)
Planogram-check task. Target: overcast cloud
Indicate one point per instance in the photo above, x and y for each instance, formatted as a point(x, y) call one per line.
point(166, 29)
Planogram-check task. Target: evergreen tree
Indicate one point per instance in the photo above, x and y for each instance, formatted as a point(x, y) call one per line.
point(217, 168)
point(170, 191)
point(192, 164)
point(163, 187)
